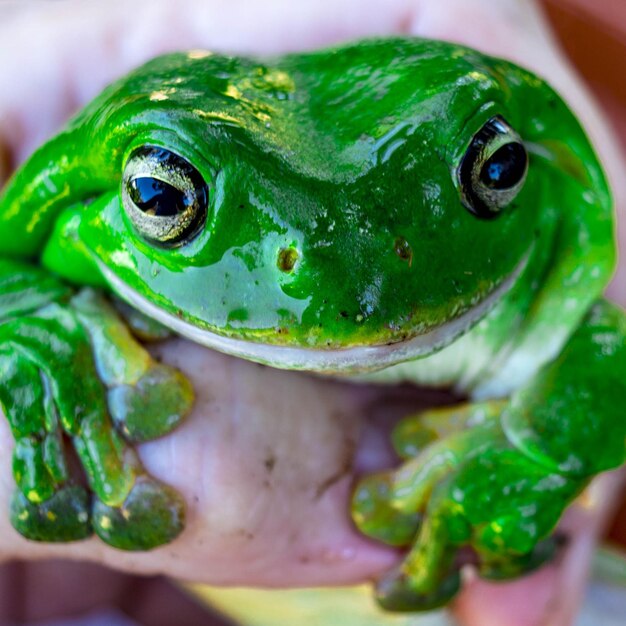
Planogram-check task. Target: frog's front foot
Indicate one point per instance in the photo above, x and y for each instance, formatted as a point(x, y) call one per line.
point(72, 375)
point(465, 495)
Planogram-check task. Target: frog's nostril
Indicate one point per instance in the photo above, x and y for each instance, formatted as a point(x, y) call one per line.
point(403, 249)
point(287, 258)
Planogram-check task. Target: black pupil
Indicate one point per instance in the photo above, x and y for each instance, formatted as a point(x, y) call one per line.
point(158, 198)
point(505, 168)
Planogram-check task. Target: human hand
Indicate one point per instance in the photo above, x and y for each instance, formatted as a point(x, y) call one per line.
point(267, 458)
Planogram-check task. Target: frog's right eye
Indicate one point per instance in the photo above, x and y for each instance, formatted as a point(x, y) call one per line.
point(165, 197)
point(493, 169)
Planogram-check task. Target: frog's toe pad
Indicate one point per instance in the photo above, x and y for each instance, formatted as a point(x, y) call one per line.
point(152, 515)
point(394, 592)
point(374, 515)
point(62, 518)
point(152, 407)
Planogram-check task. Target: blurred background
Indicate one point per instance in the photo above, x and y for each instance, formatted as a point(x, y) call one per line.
point(593, 33)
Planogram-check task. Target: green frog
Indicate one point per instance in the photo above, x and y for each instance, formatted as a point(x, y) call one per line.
point(391, 210)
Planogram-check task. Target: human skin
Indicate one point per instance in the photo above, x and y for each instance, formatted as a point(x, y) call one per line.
point(267, 458)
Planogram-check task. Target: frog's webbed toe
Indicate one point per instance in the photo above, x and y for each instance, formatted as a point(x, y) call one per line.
point(143, 327)
point(378, 509)
point(152, 515)
point(416, 432)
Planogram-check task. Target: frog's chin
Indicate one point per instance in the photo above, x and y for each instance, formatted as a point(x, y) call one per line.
point(354, 359)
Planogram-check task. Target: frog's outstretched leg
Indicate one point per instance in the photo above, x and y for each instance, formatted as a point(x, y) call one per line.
point(500, 486)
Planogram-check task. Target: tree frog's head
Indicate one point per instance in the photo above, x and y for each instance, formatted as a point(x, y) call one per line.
point(334, 210)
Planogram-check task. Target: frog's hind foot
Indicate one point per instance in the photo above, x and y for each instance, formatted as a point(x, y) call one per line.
point(64, 517)
point(152, 515)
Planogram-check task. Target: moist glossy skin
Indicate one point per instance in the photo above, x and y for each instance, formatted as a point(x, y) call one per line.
point(325, 211)
point(313, 153)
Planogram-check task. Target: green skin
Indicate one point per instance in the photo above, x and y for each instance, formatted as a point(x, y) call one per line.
point(337, 239)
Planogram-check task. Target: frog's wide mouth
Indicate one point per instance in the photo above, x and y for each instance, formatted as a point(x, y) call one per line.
point(353, 359)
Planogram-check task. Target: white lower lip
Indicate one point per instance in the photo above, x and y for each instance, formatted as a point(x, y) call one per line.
point(353, 359)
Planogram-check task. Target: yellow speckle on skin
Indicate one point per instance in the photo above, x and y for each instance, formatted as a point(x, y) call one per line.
point(233, 92)
point(162, 94)
point(51, 516)
point(105, 522)
point(33, 496)
point(123, 259)
point(158, 96)
point(23, 516)
point(477, 75)
point(125, 514)
point(212, 116)
point(199, 54)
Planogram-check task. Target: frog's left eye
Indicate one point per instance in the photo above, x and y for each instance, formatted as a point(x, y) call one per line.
point(493, 169)
point(165, 197)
